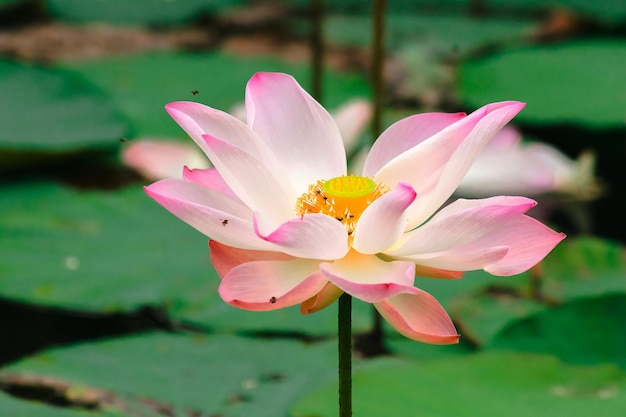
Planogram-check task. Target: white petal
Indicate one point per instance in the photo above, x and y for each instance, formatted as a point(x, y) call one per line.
point(436, 166)
point(404, 135)
point(299, 132)
point(258, 185)
point(312, 236)
point(216, 215)
point(383, 221)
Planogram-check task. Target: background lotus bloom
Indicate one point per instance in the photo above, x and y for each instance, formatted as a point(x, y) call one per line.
point(155, 159)
point(507, 166)
point(288, 226)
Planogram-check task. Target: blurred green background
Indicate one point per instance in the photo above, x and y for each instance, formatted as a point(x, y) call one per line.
point(108, 304)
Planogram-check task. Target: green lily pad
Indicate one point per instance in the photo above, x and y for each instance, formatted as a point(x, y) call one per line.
point(208, 375)
point(585, 331)
point(446, 291)
point(572, 83)
point(119, 251)
point(481, 316)
point(141, 85)
point(136, 12)
point(50, 111)
point(487, 385)
point(584, 267)
point(448, 34)
point(404, 348)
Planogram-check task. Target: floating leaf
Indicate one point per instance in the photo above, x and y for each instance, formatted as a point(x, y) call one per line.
point(49, 111)
point(486, 385)
point(584, 331)
point(584, 267)
point(480, 316)
point(142, 85)
point(448, 34)
point(572, 83)
point(208, 375)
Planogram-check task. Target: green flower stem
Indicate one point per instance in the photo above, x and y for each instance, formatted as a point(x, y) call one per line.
point(317, 48)
point(345, 356)
point(378, 65)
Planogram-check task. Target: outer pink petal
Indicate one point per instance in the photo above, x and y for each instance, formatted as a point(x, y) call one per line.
point(420, 317)
point(224, 258)
point(216, 215)
point(199, 120)
point(436, 166)
point(299, 132)
point(404, 135)
point(210, 179)
point(492, 234)
point(312, 236)
point(328, 295)
point(269, 285)
point(369, 278)
point(257, 184)
point(383, 221)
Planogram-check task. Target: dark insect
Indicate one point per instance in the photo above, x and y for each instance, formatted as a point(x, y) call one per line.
point(123, 140)
point(273, 300)
point(194, 92)
point(224, 222)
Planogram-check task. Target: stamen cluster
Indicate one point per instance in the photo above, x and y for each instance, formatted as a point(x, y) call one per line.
point(344, 206)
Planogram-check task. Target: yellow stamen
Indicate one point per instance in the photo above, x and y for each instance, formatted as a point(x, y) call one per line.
point(344, 198)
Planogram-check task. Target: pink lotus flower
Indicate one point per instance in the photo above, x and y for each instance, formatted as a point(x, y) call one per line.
point(508, 166)
point(288, 226)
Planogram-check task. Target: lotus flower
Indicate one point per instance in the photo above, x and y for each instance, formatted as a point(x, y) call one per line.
point(288, 225)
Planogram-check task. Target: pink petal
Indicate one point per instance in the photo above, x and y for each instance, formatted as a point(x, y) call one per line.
point(269, 285)
point(404, 135)
point(436, 166)
point(210, 179)
point(492, 234)
point(224, 258)
point(369, 278)
point(216, 215)
point(312, 236)
point(383, 221)
point(260, 186)
point(299, 132)
point(199, 120)
point(352, 118)
point(328, 295)
point(159, 159)
point(420, 317)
